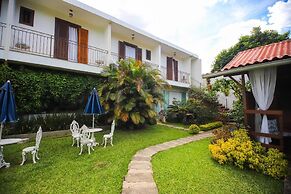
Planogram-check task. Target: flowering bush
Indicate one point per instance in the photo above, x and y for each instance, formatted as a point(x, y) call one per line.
point(241, 151)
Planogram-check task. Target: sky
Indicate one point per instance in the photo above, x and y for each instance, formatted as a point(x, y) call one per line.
point(204, 27)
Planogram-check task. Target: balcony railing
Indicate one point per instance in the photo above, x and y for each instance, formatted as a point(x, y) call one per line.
point(115, 58)
point(2, 28)
point(183, 76)
point(42, 44)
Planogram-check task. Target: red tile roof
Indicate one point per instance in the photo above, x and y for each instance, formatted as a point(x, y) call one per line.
point(261, 54)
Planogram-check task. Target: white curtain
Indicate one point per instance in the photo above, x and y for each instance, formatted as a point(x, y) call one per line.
point(129, 52)
point(263, 83)
point(73, 44)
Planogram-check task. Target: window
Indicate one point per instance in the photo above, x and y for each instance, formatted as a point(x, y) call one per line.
point(129, 52)
point(148, 55)
point(26, 16)
point(0, 6)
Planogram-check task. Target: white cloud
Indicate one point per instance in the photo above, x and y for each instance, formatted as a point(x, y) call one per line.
point(203, 27)
point(280, 15)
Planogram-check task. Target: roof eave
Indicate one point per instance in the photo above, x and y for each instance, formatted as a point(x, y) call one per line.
point(244, 69)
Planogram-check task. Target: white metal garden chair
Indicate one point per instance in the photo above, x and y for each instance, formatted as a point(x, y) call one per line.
point(33, 149)
point(86, 140)
point(109, 136)
point(76, 132)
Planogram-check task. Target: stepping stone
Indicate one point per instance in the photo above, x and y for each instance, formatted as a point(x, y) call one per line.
point(139, 178)
point(139, 188)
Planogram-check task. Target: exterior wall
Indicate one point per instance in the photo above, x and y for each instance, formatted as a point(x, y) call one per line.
point(100, 36)
point(114, 47)
point(196, 72)
point(44, 21)
point(226, 101)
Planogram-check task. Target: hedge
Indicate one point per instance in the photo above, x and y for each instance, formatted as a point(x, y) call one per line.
point(210, 126)
point(41, 90)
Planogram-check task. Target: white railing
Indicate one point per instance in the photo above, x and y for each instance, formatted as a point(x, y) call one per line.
point(183, 76)
point(43, 44)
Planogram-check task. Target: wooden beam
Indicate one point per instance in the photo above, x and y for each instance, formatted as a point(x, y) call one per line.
point(265, 112)
point(244, 97)
point(237, 82)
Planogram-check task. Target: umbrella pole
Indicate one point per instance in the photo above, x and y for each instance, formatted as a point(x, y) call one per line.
point(93, 122)
point(1, 128)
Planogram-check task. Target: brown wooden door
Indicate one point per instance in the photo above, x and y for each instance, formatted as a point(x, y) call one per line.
point(169, 68)
point(175, 70)
point(83, 46)
point(138, 54)
point(121, 50)
point(61, 39)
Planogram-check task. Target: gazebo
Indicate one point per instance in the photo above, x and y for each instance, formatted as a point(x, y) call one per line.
point(267, 108)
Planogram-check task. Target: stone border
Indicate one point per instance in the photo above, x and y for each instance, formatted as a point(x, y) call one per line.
point(139, 178)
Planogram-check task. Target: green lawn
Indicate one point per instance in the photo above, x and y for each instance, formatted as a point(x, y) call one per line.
point(178, 125)
point(62, 170)
point(189, 169)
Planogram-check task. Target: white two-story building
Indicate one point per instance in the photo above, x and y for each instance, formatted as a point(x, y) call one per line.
point(71, 36)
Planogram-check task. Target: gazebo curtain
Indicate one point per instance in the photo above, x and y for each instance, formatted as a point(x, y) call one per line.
point(263, 83)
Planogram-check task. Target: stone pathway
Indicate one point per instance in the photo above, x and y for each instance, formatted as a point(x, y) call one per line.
point(139, 178)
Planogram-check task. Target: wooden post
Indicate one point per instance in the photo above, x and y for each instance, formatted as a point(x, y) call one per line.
point(244, 98)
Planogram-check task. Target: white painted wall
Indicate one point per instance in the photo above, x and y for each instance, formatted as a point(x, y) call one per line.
point(44, 21)
point(114, 46)
point(196, 72)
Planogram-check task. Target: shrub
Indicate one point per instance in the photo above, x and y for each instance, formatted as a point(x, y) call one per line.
point(221, 133)
point(50, 122)
point(237, 114)
point(210, 126)
point(194, 129)
point(241, 151)
point(200, 108)
point(38, 90)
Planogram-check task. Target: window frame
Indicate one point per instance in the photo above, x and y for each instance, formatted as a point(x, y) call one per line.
point(148, 55)
point(21, 16)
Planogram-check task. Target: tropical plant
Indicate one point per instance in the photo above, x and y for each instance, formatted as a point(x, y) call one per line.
point(130, 91)
point(201, 107)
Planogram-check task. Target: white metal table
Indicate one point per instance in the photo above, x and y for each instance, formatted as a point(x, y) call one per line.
point(4, 142)
point(92, 131)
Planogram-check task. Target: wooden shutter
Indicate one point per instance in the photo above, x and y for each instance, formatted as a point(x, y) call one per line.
point(61, 39)
point(138, 54)
point(121, 50)
point(175, 69)
point(83, 46)
point(169, 68)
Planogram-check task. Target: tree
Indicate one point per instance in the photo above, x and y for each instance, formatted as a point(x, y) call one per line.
point(257, 38)
point(130, 91)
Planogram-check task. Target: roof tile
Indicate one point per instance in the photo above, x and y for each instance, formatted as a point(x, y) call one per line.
point(260, 54)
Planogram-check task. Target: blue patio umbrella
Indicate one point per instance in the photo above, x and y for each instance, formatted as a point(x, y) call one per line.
point(7, 105)
point(93, 105)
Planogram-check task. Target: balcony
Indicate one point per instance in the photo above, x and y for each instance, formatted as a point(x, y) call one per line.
point(183, 77)
point(115, 58)
point(42, 44)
